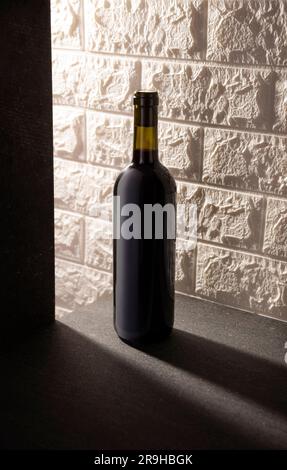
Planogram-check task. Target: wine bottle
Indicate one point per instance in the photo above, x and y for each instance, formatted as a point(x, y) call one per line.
point(144, 234)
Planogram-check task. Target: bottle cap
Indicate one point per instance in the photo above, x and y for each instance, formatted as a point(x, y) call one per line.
point(146, 98)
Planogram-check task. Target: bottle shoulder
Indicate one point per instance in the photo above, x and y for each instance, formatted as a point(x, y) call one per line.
point(155, 174)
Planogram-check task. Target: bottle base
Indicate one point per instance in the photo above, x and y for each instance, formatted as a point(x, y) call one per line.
point(151, 338)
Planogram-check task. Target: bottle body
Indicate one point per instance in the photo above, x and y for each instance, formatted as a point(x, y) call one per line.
point(144, 265)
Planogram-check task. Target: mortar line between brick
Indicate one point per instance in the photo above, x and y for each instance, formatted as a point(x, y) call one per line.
point(79, 214)
point(67, 310)
point(70, 260)
point(199, 241)
point(231, 189)
point(263, 223)
point(179, 121)
point(85, 217)
point(207, 6)
point(180, 60)
point(180, 179)
point(77, 263)
point(243, 251)
point(201, 163)
point(194, 270)
point(83, 240)
point(222, 127)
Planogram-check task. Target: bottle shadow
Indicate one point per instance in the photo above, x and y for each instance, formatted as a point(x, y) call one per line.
point(64, 390)
point(260, 380)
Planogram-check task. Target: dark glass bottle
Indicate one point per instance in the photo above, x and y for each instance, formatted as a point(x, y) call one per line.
point(144, 268)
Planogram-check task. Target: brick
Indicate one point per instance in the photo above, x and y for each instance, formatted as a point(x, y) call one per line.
point(180, 149)
point(242, 280)
point(165, 28)
point(226, 217)
point(280, 104)
point(99, 244)
point(84, 188)
point(69, 133)
point(109, 139)
point(247, 161)
point(95, 82)
point(275, 240)
point(66, 23)
point(252, 32)
point(242, 98)
point(69, 230)
point(78, 286)
point(184, 268)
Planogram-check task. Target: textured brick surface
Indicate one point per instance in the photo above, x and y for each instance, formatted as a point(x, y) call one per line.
point(230, 96)
point(109, 139)
point(99, 248)
point(181, 149)
point(275, 242)
point(69, 133)
point(242, 280)
point(84, 189)
point(94, 82)
point(280, 104)
point(164, 28)
point(66, 23)
point(220, 67)
point(225, 217)
point(247, 161)
point(184, 268)
point(78, 285)
point(69, 231)
point(251, 32)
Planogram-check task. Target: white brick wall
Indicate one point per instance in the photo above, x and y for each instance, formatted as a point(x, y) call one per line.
point(220, 67)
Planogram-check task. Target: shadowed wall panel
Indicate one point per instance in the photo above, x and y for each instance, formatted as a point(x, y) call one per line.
point(27, 246)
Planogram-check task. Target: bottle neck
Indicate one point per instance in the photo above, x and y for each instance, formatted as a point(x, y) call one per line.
point(145, 148)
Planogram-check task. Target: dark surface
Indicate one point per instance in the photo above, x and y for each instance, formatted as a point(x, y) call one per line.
point(26, 171)
point(218, 382)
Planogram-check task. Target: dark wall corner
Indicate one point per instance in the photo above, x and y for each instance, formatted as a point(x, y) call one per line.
point(26, 159)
